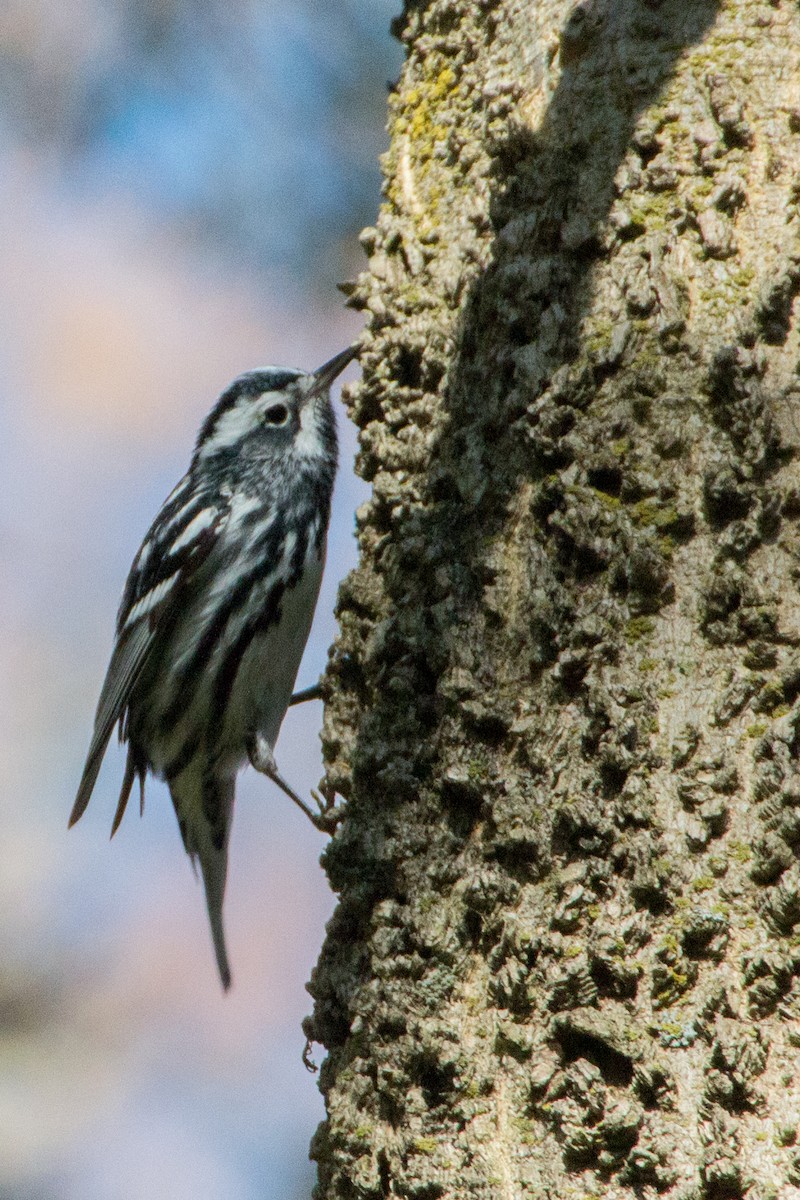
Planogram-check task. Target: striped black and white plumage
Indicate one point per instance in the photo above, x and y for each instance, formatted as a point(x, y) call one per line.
point(217, 609)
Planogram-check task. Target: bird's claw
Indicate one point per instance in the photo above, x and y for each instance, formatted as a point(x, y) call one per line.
point(329, 816)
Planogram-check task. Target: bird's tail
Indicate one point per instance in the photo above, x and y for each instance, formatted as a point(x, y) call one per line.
point(204, 810)
point(214, 869)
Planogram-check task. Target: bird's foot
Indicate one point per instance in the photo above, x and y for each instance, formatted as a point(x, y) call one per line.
point(326, 818)
point(329, 816)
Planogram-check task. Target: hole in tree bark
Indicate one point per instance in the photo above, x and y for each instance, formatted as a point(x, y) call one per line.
point(723, 1190)
point(409, 364)
point(607, 479)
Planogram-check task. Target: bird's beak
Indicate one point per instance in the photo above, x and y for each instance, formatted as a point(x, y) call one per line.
point(325, 375)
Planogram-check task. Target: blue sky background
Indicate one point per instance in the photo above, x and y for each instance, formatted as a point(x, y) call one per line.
point(182, 186)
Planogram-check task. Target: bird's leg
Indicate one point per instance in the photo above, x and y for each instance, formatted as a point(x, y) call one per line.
point(310, 693)
point(262, 758)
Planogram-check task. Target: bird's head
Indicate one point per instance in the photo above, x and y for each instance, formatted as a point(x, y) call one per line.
point(274, 413)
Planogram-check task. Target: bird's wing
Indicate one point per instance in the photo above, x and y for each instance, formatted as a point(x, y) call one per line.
point(178, 543)
point(130, 654)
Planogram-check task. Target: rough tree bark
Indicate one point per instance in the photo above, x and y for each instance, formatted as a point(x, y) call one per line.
point(564, 704)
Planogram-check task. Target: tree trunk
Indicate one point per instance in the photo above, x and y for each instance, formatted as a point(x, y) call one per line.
point(564, 704)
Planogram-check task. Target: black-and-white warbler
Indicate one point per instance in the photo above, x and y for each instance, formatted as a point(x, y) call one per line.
point(217, 609)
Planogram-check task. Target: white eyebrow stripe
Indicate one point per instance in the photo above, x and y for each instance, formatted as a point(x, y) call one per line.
point(142, 607)
point(202, 520)
point(235, 424)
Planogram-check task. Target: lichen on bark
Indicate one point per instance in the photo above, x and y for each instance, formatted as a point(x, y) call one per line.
point(564, 702)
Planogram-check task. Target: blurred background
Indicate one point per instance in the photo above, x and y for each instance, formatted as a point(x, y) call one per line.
point(181, 189)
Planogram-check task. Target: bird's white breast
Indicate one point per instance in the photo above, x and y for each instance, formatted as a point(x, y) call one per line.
point(266, 677)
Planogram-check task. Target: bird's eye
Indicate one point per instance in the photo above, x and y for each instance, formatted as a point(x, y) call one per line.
point(276, 414)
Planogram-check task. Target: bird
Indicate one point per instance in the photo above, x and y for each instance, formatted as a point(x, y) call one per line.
point(216, 612)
